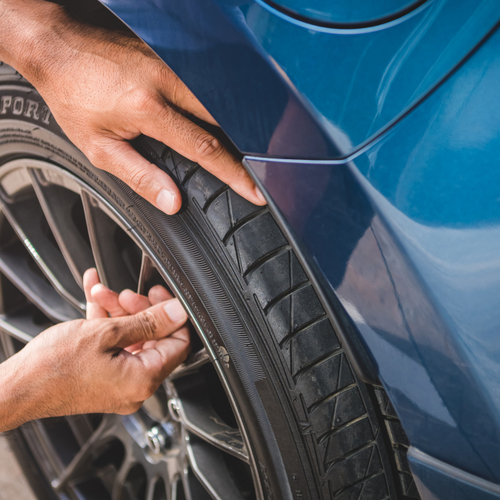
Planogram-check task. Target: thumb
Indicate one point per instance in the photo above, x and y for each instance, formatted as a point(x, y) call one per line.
point(154, 323)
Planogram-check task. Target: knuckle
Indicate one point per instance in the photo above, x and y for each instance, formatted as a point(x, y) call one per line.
point(174, 90)
point(106, 332)
point(138, 181)
point(144, 99)
point(96, 153)
point(79, 325)
point(207, 146)
point(112, 330)
point(146, 324)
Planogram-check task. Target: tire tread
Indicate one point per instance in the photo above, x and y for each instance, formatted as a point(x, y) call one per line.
point(346, 438)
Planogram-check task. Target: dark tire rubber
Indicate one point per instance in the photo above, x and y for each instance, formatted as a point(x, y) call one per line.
point(316, 430)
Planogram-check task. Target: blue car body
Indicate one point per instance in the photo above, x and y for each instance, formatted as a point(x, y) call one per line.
point(374, 130)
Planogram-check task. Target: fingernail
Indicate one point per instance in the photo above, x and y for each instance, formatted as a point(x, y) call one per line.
point(175, 311)
point(259, 194)
point(165, 201)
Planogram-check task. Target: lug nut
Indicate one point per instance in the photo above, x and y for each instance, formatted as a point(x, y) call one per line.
point(157, 440)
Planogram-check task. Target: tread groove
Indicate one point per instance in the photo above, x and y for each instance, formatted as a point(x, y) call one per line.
point(316, 363)
point(340, 428)
point(355, 483)
point(351, 453)
point(303, 327)
point(223, 189)
point(328, 398)
point(284, 295)
point(189, 175)
point(242, 222)
point(262, 260)
point(237, 253)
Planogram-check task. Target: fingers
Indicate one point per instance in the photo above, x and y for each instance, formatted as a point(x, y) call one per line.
point(94, 309)
point(165, 124)
point(172, 350)
point(181, 134)
point(127, 302)
point(108, 300)
point(154, 323)
point(158, 294)
point(134, 303)
point(121, 159)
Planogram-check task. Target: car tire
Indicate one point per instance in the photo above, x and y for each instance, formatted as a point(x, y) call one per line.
point(314, 430)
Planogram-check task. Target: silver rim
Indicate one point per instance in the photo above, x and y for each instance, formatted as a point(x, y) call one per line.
point(189, 440)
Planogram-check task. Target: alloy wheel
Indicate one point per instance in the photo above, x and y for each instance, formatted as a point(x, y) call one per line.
point(189, 440)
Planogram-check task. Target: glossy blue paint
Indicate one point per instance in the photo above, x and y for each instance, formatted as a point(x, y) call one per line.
point(360, 81)
point(347, 12)
point(339, 88)
point(408, 235)
point(439, 481)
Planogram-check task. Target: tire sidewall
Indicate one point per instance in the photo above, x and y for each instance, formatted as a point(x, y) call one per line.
point(255, 389)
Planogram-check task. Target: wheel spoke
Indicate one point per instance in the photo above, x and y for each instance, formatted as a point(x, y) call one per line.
point(148, 276)
point(157, 489)
point(103, 233)
point(209, 467)
point(81, 427)
point(84, 455)
point(21, 325)
point(194, 489)
point(199, 417)
point(187, 443)
point(175, 490)
point(27, 219)
point(15, 265)
point(7, 349)
point(64, 213)
point(150, 493)
point(194, 361)
point(185, 485)
point(145, 275)
point(121, 482)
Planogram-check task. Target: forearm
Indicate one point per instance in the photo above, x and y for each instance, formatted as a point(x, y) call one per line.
point(17, 396)
point(29, 31)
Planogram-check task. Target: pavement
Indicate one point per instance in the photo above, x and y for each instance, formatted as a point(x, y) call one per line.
point(13, 485)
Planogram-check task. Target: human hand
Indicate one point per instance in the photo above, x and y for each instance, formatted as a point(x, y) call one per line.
point(103, 302)
point(105, 88)
point(84, 366)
